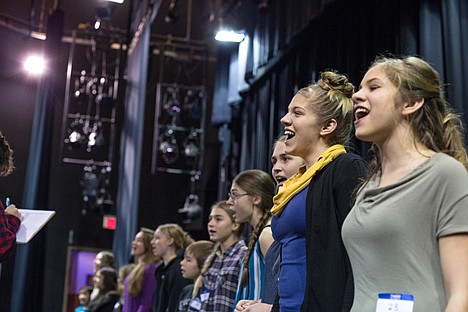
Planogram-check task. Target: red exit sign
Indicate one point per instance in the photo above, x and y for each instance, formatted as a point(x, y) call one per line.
point(109, 222)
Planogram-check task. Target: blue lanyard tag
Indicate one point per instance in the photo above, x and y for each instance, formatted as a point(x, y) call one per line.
point(195, 304)
point(395, 303)
point(204, 295)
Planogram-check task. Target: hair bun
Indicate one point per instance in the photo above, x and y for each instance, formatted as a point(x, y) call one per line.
point(331, 81)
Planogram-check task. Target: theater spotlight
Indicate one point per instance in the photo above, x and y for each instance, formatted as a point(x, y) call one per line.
point(191, 149)
point(35, 65)
point(169, 148)
point(172, 15)
point(192, 103)
point(76, 136)
point(191, 210)
point(171, 101)
point(227, 34)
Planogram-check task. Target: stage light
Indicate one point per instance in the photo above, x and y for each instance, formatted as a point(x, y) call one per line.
point(172, 14)
point(35, 65)
point(229, 36)
point(171, 102)
point(191, 210)
point(97, 24)
point(191, 149)
point(169, 147)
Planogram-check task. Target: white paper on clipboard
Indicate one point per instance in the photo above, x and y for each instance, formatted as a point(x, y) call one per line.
point(32, 221)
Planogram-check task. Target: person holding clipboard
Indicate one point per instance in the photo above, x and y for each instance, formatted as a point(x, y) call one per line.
point(10, 218)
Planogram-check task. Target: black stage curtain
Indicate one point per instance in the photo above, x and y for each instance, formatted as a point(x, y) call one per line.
point(346, 36)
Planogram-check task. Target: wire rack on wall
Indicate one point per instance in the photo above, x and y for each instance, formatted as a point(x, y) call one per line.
point(89, 117)
point(178, 141)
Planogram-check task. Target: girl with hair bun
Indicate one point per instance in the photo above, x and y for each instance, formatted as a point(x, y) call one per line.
point(407, 233)
point(251, 199)
point(310, 207)
point(169, 243)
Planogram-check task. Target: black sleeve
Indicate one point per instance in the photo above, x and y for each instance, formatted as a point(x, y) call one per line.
point(175, 285)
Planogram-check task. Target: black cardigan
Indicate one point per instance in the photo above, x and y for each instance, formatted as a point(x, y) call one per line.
point(329, 282)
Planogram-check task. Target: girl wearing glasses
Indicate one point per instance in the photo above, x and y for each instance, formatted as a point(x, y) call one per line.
point(251, 199)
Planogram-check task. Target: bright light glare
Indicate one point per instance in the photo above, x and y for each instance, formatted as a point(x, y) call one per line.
point(229, 36)
point(34, 65)
point(97, 24)
point(116, 1)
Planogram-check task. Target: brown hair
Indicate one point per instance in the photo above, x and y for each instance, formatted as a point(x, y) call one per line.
point(260, 183)
point(6, 157)
point(135, 283)
point(124, 271)
point(330, 98)
point(216, 249)
point(434, 125)
point(200, 250)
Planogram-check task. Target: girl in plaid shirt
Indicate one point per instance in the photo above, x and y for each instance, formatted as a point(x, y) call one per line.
point(216, 287)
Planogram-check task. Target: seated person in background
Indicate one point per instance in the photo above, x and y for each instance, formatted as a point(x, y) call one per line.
point(10, 218)
point(84, 297)
point(105, 280)
point(191, 266)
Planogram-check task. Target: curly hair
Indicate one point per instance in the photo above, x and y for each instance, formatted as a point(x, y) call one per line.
point(6, 157)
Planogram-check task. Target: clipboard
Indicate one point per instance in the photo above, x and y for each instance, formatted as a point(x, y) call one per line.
point(32, 221)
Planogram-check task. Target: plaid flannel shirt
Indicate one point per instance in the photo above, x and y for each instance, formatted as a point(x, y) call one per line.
point(221, 279)
point(9, 225)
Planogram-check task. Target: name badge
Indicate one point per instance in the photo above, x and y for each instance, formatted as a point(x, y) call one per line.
point(204, 295)
point(195, 304)
point(395, 303)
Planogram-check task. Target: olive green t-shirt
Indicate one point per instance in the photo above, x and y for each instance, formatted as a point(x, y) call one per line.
point(391, 234)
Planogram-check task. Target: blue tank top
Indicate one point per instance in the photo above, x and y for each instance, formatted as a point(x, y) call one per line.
point(289, 230)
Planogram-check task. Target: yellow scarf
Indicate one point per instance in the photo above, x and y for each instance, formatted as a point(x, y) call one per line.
point(301, 179)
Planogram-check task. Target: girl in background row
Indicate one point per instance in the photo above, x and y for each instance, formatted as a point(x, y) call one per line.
point(408, 231)
point(139, 285)
point(105, 280)
point(283, 167)
point(191, 266)
point(310, 207)
point(169, 243)
point(251, 199)
point(217, 285)
point(122, 274)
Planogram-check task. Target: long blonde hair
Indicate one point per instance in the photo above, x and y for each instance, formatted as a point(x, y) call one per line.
point(181, 238)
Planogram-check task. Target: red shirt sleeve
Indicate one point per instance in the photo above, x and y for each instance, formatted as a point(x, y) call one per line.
point(9, 225)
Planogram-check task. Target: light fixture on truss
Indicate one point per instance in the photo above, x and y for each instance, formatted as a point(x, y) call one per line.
point(192, 211)
point(168, 146)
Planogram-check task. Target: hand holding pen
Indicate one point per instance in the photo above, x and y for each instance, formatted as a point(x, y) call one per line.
point(11, 209)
